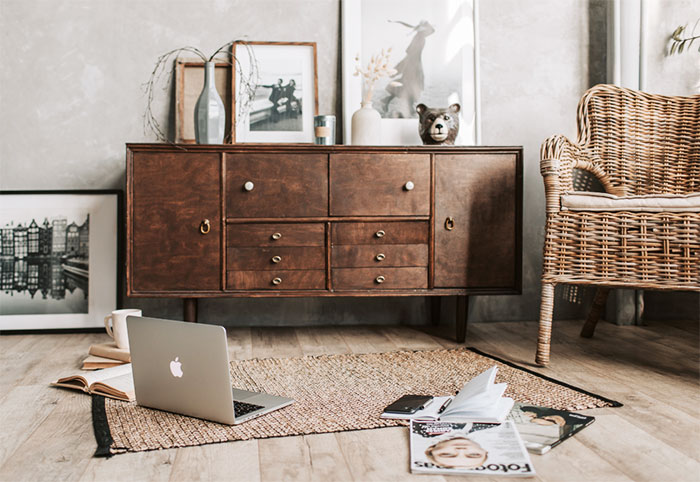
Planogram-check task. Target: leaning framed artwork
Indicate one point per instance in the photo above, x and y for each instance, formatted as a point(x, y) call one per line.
point(60, 258)
point(189, 81)
point(435, 56)
point(280, 99)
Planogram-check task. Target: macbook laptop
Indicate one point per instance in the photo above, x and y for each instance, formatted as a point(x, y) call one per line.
point(184, 368)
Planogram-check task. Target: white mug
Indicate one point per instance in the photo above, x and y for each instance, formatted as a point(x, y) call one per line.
point(118, 329)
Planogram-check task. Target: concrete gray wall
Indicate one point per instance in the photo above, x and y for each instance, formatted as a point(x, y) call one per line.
point(71, 76)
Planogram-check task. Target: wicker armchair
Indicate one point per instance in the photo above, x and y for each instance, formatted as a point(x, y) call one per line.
point(644, 232)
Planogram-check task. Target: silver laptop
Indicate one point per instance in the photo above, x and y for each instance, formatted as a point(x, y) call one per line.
point(184, 368)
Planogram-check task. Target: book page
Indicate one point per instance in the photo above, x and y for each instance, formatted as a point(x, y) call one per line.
point(497, 412)
point(107, 373)
point(476, 386)
point(87, 379)
point(121, 387)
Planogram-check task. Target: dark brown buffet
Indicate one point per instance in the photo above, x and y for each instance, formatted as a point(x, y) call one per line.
point(274, 220)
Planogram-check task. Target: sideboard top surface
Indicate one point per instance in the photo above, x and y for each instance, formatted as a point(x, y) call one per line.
point(315, 148)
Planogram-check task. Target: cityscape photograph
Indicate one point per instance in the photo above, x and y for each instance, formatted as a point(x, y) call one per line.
point(44, 265)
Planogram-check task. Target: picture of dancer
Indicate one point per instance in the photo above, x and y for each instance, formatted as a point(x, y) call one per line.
point(409, 81)
point(428, 45)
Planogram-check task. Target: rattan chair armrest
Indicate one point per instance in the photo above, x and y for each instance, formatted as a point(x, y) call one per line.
point(558, 159)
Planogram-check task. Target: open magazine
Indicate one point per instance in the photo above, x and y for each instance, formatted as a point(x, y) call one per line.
point(468, 448)
point(542, 428)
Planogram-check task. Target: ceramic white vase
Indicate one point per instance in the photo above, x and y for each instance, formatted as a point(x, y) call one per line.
point(366, 126)
point(209, 112)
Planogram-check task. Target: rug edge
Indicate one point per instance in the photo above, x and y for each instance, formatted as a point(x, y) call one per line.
point(613, 403)
point(100, 427)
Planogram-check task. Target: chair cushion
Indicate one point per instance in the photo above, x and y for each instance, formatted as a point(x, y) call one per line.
point(656, 203)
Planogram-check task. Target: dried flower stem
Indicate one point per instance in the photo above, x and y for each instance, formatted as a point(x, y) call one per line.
point(377, 67)
point(680, 42)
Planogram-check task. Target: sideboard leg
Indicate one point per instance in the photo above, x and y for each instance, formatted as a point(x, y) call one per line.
point(189, 309)
point(435, 305)
point(461, 319)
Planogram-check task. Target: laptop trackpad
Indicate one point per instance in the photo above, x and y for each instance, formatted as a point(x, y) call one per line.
point(243, 395)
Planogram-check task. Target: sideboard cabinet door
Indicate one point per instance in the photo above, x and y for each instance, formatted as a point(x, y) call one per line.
point(175, 222)
point(476, 221)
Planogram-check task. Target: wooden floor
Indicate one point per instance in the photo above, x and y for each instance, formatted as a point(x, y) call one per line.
point(46, 433)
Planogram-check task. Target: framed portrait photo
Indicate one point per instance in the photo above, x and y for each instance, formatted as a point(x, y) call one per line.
point(434, 52)
point(59, 258)
point(278, 101)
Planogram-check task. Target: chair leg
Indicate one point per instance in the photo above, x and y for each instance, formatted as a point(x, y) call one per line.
point(601, 296)
point(545, 332)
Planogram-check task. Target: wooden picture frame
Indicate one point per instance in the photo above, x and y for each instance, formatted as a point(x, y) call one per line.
point(61, 258)
point(189, 81)
point(285, 75)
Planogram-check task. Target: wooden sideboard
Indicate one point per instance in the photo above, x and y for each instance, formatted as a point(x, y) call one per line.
point(304, 221)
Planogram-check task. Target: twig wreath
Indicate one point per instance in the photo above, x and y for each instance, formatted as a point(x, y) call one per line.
point(165, 64)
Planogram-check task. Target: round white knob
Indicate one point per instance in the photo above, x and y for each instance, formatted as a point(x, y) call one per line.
point(248, 186)
point(409, 186)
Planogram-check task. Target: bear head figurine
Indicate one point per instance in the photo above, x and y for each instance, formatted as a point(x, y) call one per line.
point(438, 126)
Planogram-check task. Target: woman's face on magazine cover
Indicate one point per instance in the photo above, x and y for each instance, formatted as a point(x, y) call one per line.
point(457, 453)
point(546, 420)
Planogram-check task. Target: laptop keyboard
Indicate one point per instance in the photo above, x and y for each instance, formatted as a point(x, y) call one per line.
point(242, 408)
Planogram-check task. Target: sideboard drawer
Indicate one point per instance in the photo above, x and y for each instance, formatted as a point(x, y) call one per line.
point(380, 184)
point(381, 232)
point(391, 255)
point(269, 185)
point(276, 234)
point(276, 280)
point(379, 278)
point(276, 258)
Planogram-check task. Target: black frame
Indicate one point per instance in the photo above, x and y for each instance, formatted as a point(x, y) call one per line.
point(119, 255)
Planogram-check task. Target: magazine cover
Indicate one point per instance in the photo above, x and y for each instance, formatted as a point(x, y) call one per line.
point(468, 448)
point(542, 428)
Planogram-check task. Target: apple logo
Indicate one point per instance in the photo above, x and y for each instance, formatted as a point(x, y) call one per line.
point(176, 367)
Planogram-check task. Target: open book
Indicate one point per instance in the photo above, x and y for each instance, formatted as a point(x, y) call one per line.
point(468, 448)
point(116, 382)
point(480, 400)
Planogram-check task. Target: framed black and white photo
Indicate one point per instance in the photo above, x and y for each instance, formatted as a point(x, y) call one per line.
point(59, 258)
point(434, 51)
point(281, 100)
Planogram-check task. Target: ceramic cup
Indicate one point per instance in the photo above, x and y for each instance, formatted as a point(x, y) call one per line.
point(118, 329)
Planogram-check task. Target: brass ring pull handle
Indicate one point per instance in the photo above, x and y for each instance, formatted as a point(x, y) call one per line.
point(204, 226)
point(380, 257)
point(276, 259)
point(380, 234)
point(276, 236)
point(409, 186)
point(277, 281)
point(449, 223)
point(380, 279)
point(249, 186)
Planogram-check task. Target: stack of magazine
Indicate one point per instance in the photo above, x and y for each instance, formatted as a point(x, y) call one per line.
point(472, 434)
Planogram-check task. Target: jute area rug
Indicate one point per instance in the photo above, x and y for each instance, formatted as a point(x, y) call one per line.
point(333, 393)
